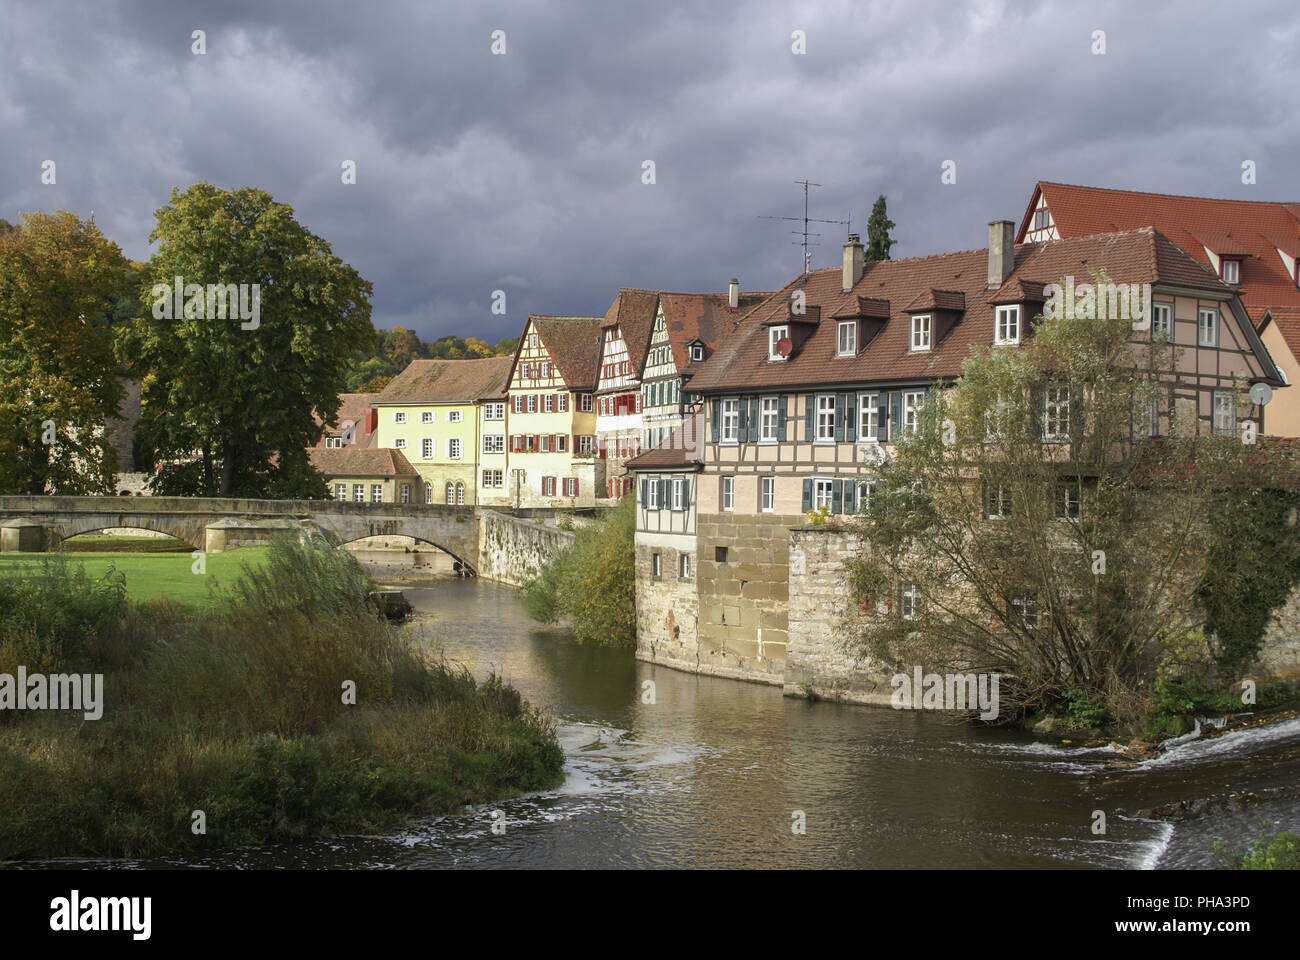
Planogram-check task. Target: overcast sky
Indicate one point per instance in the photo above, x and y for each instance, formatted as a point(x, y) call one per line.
point(523, 171)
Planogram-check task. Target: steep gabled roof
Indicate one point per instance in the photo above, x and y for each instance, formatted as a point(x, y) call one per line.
point(351, 462)
point(447, 381)
point(633, 312)
point(740, 361)
point(1252, 228)
point(353, 407)
point(704, 317)
point(574, 345)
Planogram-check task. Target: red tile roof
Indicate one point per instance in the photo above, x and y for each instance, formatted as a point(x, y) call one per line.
point(633, 312)
point(680, 450)
point(704, 317)
point(1251, 227)
point(448, 381)
point(350, 462)
point(354, 407)
point(740, 361)
point(574, 346)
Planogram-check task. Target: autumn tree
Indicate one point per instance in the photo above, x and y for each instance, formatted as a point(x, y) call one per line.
point(1032, 525)
point(61, 281)
point(229, 398)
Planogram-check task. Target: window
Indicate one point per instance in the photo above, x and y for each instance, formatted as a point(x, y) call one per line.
point(426, 449)
point(921, 332)
point(1231, 271)
point(586, 444)
point(1162, 317)
point(1225, 414)
point(767, 495)
point(455, 416)
point(720, 554)
point(868, 416)
point(1024, 610)
point(586, 403)
point(532, 340)
point(1207, 328)
point(548, 486)
point(656, 564)
point(519, 403)
point(1065, 501)
point(359, 492)
point(683, 566)
point(730, 420)
point(846, 342)
point(451, 493)
point(532, 403)
point(998, 502)
point(823, 493)
point(494, 411)
point(460, 493)
point(494, 443)
point(862, 495)
point(570, 486)
point(426, 416)
point(1042, 218)
point(728, 493)
point(768, 419)
point(998, 420)
point(331, 442)
point(697, 353)
point(406, 493)
point(652, 494)
point(1008, 325)
point(774, 336)
point(453, 448)
point(1056, 413)
point(376, 493)
point(340, 491)
point(679, 493)
point(399, 416)
point(399, 443)
point(912, 402)
point(825, 417)
point(564, 403)
point(909, 606)
point(428, 493)
point(546, 369)
point(562, 442)
point(549, 405)
point(492, 478)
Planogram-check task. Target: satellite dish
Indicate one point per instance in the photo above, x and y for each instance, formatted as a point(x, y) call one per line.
point(784, 346)
point(1261, 394)
point(873, 454)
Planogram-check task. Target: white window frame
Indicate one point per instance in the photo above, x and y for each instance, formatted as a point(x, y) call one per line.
point(825, 429)
point(913, 401)
point(1223, 402)
point(775, 334)
point(358, 493)
point(376, 493)
point(729, 429)
point(1056, 412)
point(868, 418)
point(399, 443)
point(455, 416)
point(341, 492)
point(1162, 321)
point(764, 411)
point(862, 491)
point(656, 565)
point(1024, 607)
point(909, 606)
point(823, 493)
point(729, 493)
point(1233, 267)
point(767, 494)
point(1212, 315)
point(846, 338)
point(494, 443)
point(494, 411)
point(426, 416)
point(997, 502)
point(427, 448)
point(1065, 502)
point(652, 494)
point(1006, 329)
point(455, 448)
point(586, 403)
point(683, 566)
point(399, 416)
point(922, 327)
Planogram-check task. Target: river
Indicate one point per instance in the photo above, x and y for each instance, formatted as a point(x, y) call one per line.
point(714, 772)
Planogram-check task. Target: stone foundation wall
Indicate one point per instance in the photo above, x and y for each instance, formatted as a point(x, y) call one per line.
point(511, 550)
point(1280, 653)
point(817, 661)
point(742, 615)
point(667, 609)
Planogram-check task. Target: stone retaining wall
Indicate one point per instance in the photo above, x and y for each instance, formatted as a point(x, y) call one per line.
point(511, 550)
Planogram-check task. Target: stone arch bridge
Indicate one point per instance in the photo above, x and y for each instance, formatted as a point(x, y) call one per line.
point(213, 525)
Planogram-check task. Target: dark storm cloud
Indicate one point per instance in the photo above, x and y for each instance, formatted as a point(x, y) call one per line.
point(523, 172)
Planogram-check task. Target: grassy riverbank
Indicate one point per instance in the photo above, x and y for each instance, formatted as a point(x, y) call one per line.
point(152, 576)
point(241, 711)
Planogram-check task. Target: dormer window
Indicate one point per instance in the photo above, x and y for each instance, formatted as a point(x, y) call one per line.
point(847, 339)
point(697, 352)
point(1007, 329)
point(774, 336)
point(921, 332)
point(1231, 271)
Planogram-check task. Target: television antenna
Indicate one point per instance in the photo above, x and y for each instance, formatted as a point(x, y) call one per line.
point(804, 234)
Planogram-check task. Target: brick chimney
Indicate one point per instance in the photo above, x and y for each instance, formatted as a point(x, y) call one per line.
point(854, 260)
point(733, 294)
point(1002, 251)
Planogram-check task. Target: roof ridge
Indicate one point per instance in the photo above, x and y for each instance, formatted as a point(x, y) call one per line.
point(1171, 196)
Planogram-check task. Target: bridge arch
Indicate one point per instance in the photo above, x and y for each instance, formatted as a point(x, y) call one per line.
point(469, 567)
point(74, 525)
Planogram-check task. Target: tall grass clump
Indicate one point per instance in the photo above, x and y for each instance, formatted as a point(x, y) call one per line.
point(285, 711)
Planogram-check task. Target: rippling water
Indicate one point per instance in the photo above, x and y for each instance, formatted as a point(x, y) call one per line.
point(711, 773)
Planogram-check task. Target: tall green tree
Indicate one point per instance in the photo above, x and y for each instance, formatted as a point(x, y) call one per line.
point(229, 398)
point(60, 282)
point(878, 227)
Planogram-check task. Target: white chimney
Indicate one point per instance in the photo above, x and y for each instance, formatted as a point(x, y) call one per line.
point(1002, 251)
point(733, 294)
point(854, 261)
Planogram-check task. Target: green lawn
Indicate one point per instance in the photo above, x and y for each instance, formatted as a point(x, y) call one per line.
point(150, 576)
